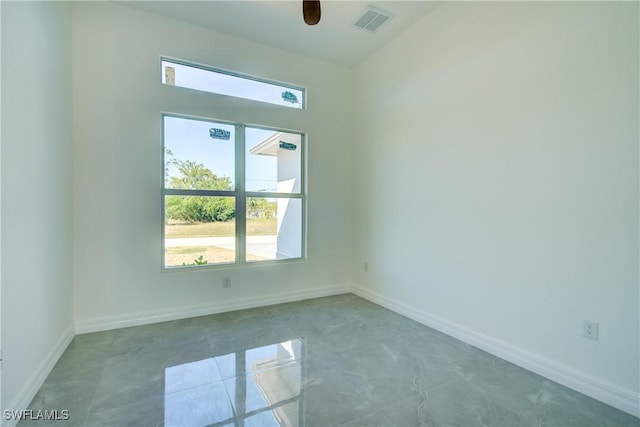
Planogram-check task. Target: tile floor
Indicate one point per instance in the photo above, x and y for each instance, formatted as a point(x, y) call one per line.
point(336, 361)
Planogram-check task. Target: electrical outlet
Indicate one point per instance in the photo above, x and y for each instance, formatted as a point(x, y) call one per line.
point(590, 330)
point(366, 266)
point(226, 282)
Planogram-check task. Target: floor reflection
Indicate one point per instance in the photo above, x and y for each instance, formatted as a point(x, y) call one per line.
point(255, 387)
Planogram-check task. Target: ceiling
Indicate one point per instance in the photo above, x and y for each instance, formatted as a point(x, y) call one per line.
point(280, 24)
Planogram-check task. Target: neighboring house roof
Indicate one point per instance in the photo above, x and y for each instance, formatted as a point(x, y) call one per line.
point(271, 145)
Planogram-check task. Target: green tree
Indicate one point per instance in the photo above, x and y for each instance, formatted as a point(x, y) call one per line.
point(200, 208)
point(259, 207)
point(196, 176)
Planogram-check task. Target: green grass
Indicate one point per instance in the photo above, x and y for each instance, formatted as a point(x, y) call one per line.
point(255, 227)
point(186, 251)
point(174, 257)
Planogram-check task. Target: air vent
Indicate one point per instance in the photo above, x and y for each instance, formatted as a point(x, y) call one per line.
point(372, 19)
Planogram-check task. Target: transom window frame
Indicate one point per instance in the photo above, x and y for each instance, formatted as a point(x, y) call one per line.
point(223, 71)
point(239, 194)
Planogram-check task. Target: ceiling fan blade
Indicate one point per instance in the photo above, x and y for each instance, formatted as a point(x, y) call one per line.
point(311, 11)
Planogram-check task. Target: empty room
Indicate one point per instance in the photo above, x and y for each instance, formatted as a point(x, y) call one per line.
point(333, 213)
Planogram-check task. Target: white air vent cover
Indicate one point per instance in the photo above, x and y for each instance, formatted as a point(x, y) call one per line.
point(372, 19)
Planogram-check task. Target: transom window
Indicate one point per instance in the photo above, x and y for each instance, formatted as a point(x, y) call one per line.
point(232, 193)
point(223, 82)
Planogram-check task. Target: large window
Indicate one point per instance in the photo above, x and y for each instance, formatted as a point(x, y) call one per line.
point(233, 194)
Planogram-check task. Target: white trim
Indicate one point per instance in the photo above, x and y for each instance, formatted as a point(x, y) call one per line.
point(148, 317)
point(619, 397)
point(35, 381)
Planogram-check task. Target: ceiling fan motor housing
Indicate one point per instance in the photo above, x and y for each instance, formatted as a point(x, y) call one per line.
point(311, 11)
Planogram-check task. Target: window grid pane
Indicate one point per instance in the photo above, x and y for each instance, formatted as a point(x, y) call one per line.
point(199, 230)
point(196, 160)
point(274, 228)
point(273, 161)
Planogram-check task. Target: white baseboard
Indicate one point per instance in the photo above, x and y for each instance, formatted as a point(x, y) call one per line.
point(144, 318)
point(35, 381)
point(621, 398)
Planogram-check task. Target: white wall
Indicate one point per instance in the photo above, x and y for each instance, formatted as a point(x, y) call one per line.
point(289, 211)
point(37, 321)
point(118, 99)
point(496, 183)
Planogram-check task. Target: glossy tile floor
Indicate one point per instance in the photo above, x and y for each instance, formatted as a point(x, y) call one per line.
point(328, 361)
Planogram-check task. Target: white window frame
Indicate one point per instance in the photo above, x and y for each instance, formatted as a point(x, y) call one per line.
point(302, 90)
point(240, 195)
